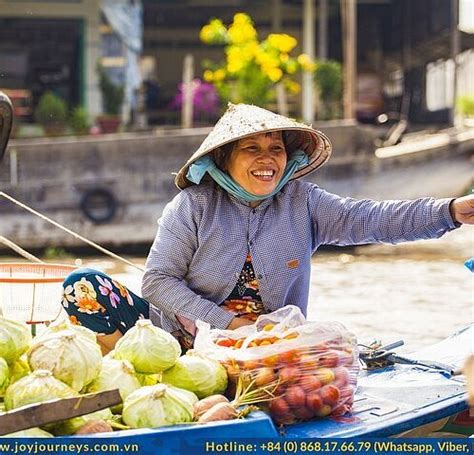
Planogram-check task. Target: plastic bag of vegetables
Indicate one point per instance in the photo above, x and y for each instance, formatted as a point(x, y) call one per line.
point(310, 367)
point(72, 358)
point(158, 405)
point(197, 374)
point(15, 338)
point(149, 349)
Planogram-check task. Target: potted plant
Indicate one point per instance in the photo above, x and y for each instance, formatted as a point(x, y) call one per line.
point(51, 114)
point(79, 120)
point(328, 78)
point(112, 99)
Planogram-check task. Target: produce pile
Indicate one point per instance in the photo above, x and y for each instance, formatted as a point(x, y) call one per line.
point(308, 368)
point(158, 386)
point(293, 369)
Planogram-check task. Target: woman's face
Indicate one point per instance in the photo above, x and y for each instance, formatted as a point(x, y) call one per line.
point(257, 163)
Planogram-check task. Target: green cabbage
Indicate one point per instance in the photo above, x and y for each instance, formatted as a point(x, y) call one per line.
point(115, 374)
point(4, 375)
point(37, 387)
point(197, 374)
point(66, 325)
point(74, 359)
point(148, 379)
point(30, 433)
point(15, 338)
point(148, 348)
point(158, 405)
point(19, 369)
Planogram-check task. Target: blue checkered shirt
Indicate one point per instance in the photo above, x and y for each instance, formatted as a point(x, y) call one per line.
point(204, 235)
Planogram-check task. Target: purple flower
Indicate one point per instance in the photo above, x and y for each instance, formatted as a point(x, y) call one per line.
point(205, 99)
point(107, 290)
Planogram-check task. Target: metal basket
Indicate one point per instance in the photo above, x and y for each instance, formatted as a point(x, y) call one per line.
point(32, 292)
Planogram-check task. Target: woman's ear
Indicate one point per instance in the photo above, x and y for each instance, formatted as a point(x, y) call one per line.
point(220, 159)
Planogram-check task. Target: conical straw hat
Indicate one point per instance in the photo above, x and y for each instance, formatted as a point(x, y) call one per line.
point(243, 120)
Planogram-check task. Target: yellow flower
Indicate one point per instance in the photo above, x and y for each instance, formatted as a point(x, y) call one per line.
point(292, 86)
point(219, 75)
point(213, 33)
point(206, 34)
point(266, 61)
point(274, 74)
point(242, 18)
point(291, 67)
point(208, 76)
point(241, 33)
point(281, 41)
point(284, 57)
point(306, 63)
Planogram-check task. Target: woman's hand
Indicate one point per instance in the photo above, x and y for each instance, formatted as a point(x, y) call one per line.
point(462, 209)
point(238, 322)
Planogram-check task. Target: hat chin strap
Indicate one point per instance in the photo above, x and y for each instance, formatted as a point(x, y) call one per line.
point(206, 164)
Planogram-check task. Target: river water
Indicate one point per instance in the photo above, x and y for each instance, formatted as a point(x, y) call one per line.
point(419, 292)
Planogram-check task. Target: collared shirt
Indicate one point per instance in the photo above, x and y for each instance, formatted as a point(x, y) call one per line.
point(204, 235)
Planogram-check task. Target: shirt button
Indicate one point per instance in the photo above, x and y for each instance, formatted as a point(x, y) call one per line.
point(250, 243)
point(259, 276)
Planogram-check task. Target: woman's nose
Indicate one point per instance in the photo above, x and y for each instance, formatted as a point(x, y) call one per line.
point(264, 153)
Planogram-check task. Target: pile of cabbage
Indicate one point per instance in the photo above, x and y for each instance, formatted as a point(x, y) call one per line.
point(157, 384)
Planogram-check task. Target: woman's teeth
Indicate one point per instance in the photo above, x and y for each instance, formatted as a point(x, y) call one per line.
point(263, 175)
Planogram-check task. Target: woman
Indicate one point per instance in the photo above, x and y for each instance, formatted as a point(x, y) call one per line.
point(237, 241)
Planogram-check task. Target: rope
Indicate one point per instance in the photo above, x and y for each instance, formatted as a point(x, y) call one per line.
point(19, 250)
point(74, 234)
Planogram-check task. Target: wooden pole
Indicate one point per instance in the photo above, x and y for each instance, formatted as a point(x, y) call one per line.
point(455, 51)
point(187, 106)
point(349, 43)
point(276, 16)
point(323, 30)
point(308, 48)
point(282, 102)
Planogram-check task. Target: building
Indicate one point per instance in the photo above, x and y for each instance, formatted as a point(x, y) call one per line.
point(404, 48)
point(51, 45)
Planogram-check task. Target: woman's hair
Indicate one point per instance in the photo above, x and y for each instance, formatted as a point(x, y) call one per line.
point(221, 154)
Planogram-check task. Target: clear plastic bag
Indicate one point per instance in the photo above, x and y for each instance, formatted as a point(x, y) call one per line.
point(309, 369)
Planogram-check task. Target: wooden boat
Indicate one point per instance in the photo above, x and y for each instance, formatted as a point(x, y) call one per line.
point(393, 401)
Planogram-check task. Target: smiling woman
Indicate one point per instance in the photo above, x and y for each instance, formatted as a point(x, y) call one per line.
point(237, 241)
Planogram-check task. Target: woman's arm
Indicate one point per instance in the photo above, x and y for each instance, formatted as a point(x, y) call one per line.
point(164, 282)
point(346, 221)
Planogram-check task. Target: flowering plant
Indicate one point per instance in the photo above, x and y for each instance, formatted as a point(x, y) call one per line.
point(205, 99)
point(251, 68)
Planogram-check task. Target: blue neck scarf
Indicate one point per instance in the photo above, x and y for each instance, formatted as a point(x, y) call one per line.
point(206, 164)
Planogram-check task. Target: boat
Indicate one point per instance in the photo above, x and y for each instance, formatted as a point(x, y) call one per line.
point(398, 400)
